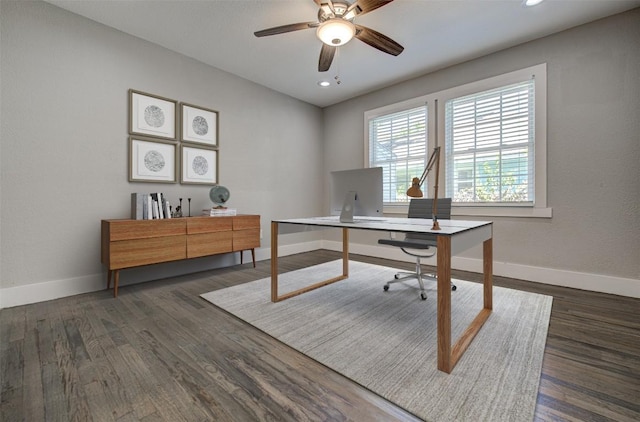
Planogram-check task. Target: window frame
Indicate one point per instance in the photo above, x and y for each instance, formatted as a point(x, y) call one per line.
point(389, 207)
point(435, 103)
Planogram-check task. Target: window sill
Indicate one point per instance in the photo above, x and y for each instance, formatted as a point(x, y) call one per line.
point(520, 212)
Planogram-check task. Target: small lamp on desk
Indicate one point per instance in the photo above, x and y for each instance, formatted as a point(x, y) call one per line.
point(415, 192)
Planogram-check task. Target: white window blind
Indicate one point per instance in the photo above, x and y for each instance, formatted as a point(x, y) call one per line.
point(490, 146)
point(398, 144)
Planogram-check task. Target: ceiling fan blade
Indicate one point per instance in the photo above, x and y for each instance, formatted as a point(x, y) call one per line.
point(285, 28)
point(361, 7)
point(378, 40)
point(326, 57)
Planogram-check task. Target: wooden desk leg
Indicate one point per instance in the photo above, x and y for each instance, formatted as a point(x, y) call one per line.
point(487, 268)
point(448, 355)
point(253, 256)
point(275, 297)
point(444, 304)
point(274, 261)
point(345, 252)
point(241, 254)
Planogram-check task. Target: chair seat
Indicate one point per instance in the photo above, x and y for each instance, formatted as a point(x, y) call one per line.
point(408, 243)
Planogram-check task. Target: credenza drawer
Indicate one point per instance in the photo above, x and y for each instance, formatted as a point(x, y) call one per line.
point(136, 252)
point(204, 244)
point(209, 224)
point(142, 229)
point(243, 222)
point(246, 239)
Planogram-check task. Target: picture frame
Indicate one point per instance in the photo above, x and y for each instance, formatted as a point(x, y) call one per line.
point(152, 115)
point(152, 160)
point(199, 165)
point(199, 124)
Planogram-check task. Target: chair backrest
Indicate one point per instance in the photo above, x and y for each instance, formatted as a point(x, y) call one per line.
point(423, 208)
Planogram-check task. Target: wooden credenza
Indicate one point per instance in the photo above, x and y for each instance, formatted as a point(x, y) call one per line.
point(134, 243)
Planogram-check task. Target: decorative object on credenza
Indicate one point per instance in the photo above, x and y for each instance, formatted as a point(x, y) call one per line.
point(219, 195)
point(152, 115)
point(199, 125)
point(189, 199)
point(199, 165)
point(178, 212)
point(151, 160)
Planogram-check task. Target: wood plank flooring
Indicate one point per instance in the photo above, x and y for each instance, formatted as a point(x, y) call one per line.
point(160, 353)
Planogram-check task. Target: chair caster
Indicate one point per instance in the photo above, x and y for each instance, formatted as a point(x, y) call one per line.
point(397, 276)
point(454, 288)
point(385, 287)
point(423, 296)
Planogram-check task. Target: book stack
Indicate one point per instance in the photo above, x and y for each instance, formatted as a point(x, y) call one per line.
point(219, 212)
point(149, 206)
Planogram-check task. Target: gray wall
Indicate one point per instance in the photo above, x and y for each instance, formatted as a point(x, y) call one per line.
point(64, 143)
point(593, 146)
point(64, 147)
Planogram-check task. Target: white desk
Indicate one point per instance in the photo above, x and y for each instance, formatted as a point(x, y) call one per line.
point(453, 237)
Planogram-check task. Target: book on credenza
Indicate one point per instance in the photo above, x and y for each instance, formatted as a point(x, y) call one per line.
point(137, 206)
point(149, 214)
point(219, 212)
point(160, 207)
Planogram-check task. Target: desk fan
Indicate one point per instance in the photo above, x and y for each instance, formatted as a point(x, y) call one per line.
point(219, 195)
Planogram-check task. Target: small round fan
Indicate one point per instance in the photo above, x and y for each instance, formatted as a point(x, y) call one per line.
point(219, 195)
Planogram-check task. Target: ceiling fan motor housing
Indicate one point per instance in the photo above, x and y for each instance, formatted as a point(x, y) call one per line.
point(339, 9)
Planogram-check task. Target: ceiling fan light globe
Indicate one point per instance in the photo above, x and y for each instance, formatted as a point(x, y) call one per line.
point(336, 32)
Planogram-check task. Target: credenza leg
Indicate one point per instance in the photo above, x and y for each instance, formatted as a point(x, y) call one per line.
point(109, 272)
point(116, 280)
point(241, 257)
point(253, 256)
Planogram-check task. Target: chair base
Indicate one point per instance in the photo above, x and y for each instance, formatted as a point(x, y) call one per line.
point(403, 275)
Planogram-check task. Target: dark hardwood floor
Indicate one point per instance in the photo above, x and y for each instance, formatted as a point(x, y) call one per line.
point(160, 353)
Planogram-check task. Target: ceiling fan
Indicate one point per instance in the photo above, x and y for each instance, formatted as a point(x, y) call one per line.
point(335, 27)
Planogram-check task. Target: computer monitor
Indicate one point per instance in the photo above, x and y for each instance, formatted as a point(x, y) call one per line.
point(356, 192)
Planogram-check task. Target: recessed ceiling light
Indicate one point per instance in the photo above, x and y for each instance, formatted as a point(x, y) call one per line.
point(532, 2)
point(324, 83)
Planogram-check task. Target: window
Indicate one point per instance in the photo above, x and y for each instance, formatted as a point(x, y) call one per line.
point(398, 144)
point(490, 146)
point(493, 134)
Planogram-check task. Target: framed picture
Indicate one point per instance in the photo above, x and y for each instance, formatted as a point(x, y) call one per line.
point(199, 125)
point(199, 165)
point(151, 115)
point(151, 160)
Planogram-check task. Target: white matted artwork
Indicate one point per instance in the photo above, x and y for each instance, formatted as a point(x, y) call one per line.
point(199, 125)
point(199, 165)
point(151, 115)
point(152, 161)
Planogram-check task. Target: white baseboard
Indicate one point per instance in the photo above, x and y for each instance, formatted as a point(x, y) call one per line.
point(49, 290)
point(584, 281)
point(41, 292)
point(55, 289)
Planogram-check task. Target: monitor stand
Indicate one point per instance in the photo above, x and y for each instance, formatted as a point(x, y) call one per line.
point(346, 216)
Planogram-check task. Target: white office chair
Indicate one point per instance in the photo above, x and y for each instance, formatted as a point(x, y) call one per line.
point(420, 245)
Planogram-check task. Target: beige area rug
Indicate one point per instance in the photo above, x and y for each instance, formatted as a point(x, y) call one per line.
point(386, 341)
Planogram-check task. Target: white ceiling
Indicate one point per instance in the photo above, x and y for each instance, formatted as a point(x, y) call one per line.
point(434, 33)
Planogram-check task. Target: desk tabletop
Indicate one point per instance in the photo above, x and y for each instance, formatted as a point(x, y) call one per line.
point(391, 224)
